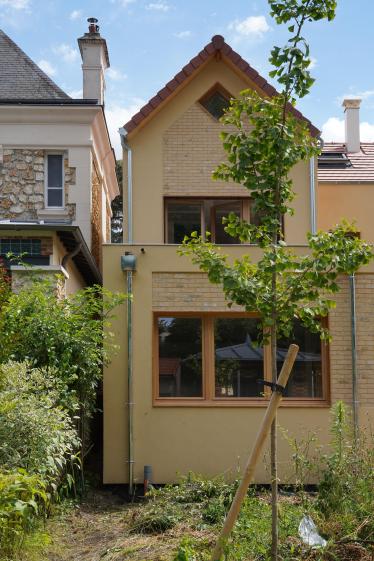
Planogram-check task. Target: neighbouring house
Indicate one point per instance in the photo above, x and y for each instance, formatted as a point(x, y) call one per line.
point(57, 166)
point(346, 191)
point(181, 394)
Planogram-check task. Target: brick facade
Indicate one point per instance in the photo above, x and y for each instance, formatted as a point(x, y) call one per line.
point(22, 184)
point(192, 149)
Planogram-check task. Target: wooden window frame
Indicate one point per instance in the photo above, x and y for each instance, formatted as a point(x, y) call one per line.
point(244, 213)
point(208, 398)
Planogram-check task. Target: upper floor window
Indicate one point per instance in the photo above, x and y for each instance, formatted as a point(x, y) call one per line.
point(216, 101)
point(54, 180)
point(184, 216)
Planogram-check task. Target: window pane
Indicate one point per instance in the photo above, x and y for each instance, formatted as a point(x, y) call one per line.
point(54, 170)
point(55, 197)
point(183, 219)
point(222, 211)
point(238, 362)
point(216, 104)
point(180, 357)
point(306, 375)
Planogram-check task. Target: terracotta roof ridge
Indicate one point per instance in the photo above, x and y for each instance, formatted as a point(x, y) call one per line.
point(217, 45)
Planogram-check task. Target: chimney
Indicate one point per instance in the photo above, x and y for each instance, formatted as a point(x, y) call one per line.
point(95, 60)
point(352, 124)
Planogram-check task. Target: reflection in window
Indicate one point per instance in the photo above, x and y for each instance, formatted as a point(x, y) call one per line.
point(180, 357)
point(238, 361)
point(219, 211)
point(183, 219)
point(306, 376)
point(55, 180)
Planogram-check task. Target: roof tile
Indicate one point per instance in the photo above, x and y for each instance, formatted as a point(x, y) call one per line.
point(361, 170)
point(216, 45)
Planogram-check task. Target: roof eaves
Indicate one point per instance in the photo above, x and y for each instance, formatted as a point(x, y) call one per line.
point(220, 47)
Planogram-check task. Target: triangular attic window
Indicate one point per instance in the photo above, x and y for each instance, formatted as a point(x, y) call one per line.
point(216, 101)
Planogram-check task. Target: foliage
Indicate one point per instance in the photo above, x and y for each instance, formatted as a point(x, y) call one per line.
point(4, 285)
point(23, 498)
point(62, 335)
point(346, 490)
point(36, 434)
point(263, 143)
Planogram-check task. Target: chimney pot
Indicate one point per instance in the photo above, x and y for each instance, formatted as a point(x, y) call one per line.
point(352, 124)
point(93, 27)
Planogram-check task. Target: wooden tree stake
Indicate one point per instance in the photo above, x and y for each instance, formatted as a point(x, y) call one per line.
point(255, 454)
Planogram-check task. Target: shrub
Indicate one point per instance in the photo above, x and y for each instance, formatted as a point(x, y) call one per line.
point(65, 335)
point(346, 490)
point(23, 498)
point(35, 432)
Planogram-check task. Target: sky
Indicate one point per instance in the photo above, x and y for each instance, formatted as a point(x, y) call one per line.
point(149, 41)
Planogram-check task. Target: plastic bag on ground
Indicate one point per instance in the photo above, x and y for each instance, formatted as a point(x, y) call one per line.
point(309, 534)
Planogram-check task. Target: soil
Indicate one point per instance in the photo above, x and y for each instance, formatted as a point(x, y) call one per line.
point(98, 530)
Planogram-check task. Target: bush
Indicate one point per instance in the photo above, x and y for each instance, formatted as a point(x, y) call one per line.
point(65, 335)
point(35, 432)
point(23, 499)
point(346, 490)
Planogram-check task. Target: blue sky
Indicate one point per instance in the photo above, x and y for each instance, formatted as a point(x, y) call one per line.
point(150, 40)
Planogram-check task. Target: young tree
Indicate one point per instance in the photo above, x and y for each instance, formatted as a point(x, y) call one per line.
point(265, 141)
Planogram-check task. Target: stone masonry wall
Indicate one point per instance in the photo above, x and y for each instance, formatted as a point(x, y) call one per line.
point(22, 184)
point(182, 292)
point(195, 137)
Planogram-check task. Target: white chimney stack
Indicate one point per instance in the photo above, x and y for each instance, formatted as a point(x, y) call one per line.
point(95, 59)
point(352, 124)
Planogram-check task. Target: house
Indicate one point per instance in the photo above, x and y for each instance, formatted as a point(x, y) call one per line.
point(346, 191)
point(57, 166)
point(181, 394)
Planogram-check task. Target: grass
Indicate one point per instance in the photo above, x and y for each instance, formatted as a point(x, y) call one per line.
point(180, 523)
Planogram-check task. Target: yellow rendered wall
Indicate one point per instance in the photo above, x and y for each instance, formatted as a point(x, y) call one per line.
point(176, 151)
point(354, 202)
point(209, 440)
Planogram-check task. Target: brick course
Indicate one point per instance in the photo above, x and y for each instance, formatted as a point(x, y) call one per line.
point(195, 137)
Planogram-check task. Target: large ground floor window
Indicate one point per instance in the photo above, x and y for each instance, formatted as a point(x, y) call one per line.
point(214, 359)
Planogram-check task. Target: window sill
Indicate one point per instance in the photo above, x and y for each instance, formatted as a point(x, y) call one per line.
point(238, 402)
point(53, 213)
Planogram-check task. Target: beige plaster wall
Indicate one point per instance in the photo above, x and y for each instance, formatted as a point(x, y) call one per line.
point(175, 152)
point(354, 202)
point(208, 440)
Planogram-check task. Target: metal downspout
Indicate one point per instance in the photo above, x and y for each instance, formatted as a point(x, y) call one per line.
point(129, 268)
point(355, 403)
point(126, 147)
point(313, 213)
point(130, 384)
